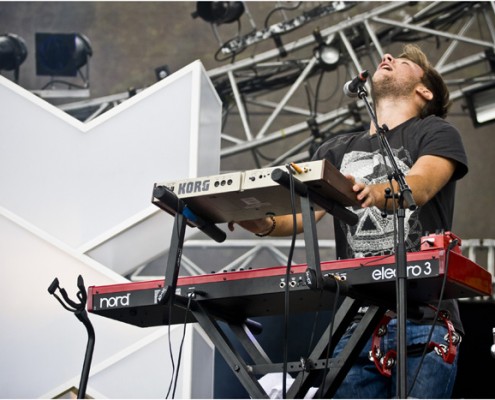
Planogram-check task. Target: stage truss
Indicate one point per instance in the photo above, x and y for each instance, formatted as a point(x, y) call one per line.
point(459, 38)
point(279, 103)
point(273, 108)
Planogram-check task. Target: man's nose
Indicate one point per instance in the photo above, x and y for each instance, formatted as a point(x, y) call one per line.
point(388, 57)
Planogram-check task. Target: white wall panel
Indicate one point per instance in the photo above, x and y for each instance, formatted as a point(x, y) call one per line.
point(75, 199)
point(77, 181)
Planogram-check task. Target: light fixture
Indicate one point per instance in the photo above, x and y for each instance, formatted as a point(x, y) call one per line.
point(327, 53)
point(481, 104)
point(162, 72)
point(329, 56)
point(219, 12)
point(13, 52)
point(61, 54)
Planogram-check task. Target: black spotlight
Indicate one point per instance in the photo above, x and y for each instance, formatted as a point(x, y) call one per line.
point(61, 54)
point(328, 56)
point(481, 104)
point(162, 72)
point(327, 53)
point(13, 52)
point(219, 12)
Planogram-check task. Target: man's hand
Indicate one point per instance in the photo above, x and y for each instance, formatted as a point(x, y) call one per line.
point(365, 194)
point(426, 177)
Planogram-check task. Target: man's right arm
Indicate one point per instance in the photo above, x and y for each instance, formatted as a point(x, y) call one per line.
point(284, 224)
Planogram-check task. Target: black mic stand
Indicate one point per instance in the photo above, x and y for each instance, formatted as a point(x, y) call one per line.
point(404, 194)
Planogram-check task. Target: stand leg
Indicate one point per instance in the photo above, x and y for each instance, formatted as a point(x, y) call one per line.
point(250, 344)
point(173, 261)
point(83, 383)
point(401, 257)
point(311, 241)
point(338, 367)
point(230, 355)
point(346, 358)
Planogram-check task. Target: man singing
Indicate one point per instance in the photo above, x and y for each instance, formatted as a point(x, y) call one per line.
point(411, 99)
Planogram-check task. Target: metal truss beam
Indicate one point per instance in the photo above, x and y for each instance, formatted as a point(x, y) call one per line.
point(454, 29)
point(271, 101)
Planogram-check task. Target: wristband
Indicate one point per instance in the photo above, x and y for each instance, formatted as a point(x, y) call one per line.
point(272, 228)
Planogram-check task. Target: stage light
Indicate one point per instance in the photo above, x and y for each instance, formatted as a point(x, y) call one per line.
point(481, 104)
point(327, 52)
point(162, 72)
point(61, 54)
point(329, 56)
point(13, 52)
point(219, 12)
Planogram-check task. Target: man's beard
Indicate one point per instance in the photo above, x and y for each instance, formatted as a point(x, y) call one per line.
point(389, 87)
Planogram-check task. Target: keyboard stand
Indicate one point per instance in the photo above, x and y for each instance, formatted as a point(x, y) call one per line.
point(248, 372)
point(317, 367)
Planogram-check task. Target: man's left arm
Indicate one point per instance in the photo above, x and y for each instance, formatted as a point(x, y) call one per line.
point(426, 177)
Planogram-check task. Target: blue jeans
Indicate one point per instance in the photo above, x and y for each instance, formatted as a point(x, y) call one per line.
point(435, 379)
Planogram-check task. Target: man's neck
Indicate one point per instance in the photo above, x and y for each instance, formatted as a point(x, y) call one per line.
point(393, 112)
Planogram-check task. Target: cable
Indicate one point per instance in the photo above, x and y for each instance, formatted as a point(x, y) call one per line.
point(170, 347)
point(437, 312)
point(298, 4)
point(315, 322)
point(331, 96)
point(287, 278)
point(307, 90)
point(312, 337)
point(170, 309)
point(190, 297)
point(234, 53)
point(329, 345)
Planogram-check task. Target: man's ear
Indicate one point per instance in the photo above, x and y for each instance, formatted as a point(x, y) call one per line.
point(424, 92)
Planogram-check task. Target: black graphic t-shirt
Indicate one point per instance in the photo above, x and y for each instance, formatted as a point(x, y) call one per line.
point(359, 154)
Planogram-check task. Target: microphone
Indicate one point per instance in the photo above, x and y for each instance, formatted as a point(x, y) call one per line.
point(351, 87)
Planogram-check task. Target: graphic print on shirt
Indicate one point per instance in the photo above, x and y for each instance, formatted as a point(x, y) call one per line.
point(373, 234)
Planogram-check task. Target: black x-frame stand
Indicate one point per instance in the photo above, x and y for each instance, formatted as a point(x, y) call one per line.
point(317, 367)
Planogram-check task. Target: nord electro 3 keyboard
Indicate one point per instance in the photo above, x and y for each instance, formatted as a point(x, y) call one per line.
point(253, 194)
point(260, 292)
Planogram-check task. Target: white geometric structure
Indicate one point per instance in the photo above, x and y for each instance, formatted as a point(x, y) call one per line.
point(75, 199)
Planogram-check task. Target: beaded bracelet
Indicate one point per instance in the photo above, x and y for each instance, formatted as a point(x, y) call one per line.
point(272, 228)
